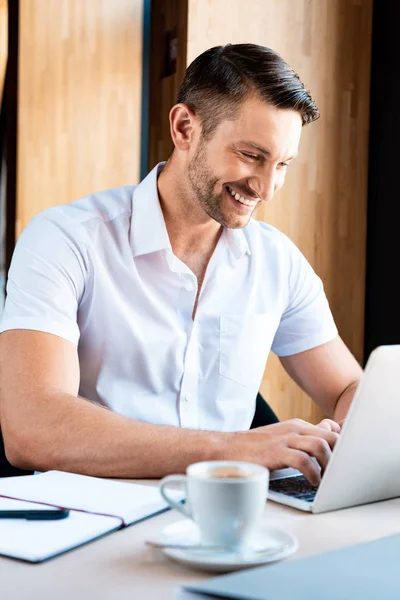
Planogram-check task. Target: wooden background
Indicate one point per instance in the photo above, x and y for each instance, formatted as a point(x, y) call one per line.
point(79, 108)
point(3, 43)
point(3, 65)
point(322, 206)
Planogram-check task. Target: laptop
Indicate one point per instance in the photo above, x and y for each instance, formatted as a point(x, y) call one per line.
point(365, 463)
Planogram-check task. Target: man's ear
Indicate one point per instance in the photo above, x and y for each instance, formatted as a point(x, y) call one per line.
point(183, 124)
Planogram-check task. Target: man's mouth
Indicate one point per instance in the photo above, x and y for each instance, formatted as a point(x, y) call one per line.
point(246, 201)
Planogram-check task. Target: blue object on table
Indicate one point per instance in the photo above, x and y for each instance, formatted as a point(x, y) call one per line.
point(369, 571)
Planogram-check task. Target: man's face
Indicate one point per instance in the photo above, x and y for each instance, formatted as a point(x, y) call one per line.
point(245, 161)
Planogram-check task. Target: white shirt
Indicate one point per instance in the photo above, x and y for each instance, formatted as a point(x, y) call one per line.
point(100, 272)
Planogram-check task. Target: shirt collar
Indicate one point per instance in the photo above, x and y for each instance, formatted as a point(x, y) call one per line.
point(148, 229)
point(237, 242)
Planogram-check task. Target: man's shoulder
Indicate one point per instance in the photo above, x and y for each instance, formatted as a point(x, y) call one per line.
point(103, 206)
point(264, 234)
point(269, 241)
point(85, 217)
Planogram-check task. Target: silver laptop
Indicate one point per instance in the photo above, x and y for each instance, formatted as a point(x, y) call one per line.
point(365, 463)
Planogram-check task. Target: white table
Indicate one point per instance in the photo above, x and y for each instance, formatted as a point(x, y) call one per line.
point(120, 566)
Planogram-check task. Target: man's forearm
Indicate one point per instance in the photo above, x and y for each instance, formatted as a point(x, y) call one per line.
point(344, 402)
point(67, 433)
point(73, 434)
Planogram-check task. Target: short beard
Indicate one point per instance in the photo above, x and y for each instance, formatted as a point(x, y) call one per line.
point(203, 182)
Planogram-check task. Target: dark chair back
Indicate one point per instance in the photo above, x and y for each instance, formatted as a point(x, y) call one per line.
point(264, 415)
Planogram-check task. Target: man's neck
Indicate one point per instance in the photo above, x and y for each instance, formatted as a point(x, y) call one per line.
point(190, 229)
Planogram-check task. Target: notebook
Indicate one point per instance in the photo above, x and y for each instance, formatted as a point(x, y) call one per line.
point(369, 571)
point(97, 507)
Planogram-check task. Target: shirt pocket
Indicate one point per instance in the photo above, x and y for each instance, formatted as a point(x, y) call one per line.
point(245, 342)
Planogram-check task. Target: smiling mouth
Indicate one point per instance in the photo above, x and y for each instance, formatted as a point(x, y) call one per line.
point(241, 199)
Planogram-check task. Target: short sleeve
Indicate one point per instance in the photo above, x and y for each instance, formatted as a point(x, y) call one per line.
point(307, 320)
point(46, 280)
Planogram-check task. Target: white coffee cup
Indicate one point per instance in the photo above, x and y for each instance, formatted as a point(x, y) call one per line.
point(226, 500)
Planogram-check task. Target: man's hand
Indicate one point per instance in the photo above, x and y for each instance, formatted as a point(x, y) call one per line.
point(330, 425)
point(294, 443)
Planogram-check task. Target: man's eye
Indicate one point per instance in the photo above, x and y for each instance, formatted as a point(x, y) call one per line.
point(284, 164)
point(252, 156)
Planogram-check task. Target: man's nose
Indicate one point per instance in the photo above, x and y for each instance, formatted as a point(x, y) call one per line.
point(265, 187)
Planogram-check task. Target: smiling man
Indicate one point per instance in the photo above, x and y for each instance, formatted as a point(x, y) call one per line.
point(161, 302)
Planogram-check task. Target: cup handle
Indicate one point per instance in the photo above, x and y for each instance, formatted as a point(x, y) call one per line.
point(165, 481)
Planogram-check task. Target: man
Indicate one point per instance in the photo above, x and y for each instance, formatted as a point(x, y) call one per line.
point(161, 302)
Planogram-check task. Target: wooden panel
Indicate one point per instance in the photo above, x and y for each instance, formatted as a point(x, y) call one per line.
point(167, 17)
point(80, 100)
point(3, 42)
point(322, 206)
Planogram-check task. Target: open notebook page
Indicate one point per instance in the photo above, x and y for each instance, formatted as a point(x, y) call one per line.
point(128, 501)
point(35, 541)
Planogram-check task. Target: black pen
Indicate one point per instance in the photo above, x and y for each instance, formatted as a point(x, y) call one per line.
point(35, 514)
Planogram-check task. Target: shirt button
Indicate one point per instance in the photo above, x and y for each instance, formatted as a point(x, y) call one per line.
point(187, 397)
point(188, 287)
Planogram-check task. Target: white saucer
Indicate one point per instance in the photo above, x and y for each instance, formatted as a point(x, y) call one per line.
point(186, 532)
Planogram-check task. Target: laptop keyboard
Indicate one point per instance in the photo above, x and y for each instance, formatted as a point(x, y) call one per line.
point(297, 487)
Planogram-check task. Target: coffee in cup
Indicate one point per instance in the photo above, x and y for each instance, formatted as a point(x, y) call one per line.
point(228, 473)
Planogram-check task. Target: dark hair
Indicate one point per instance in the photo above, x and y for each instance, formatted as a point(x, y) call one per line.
point(218, 81)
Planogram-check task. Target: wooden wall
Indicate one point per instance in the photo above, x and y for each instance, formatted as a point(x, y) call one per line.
point(322, 206)
point(3, 43)
point(80, 77)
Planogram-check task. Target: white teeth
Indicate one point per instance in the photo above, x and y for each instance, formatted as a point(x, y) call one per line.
point(240, 198)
